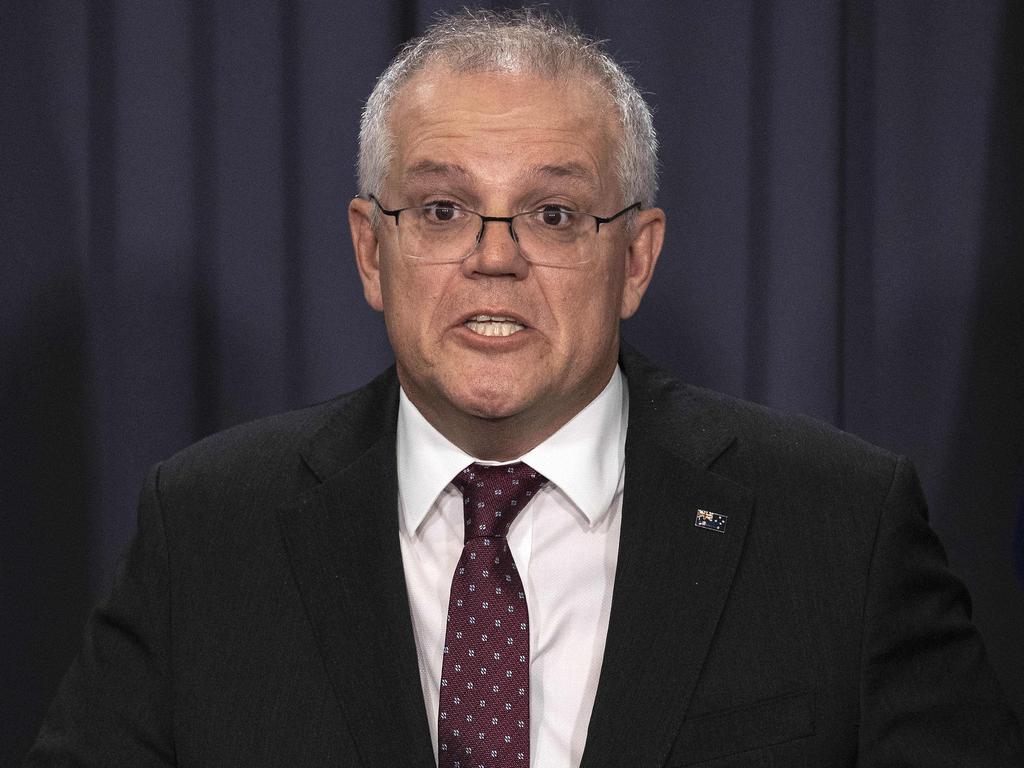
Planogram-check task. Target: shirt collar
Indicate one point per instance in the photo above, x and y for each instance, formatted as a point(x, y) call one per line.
point(585, 458)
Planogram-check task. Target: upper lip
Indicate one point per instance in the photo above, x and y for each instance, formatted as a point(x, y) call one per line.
point(495, 314)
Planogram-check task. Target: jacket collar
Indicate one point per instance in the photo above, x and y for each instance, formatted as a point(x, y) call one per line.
point(361, 420)
point(670, 414)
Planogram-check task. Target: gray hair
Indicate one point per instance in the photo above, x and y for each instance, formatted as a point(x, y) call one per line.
point(522, 40)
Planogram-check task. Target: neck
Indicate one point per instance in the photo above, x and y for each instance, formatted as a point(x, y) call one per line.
point(501, 438)
point(502, 442)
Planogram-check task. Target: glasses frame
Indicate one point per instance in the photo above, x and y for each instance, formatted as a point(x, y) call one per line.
point(510, 220)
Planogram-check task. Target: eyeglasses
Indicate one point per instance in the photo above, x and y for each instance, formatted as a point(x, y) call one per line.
point(443, 232)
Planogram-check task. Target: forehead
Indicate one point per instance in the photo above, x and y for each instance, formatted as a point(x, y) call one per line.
point(503, 127)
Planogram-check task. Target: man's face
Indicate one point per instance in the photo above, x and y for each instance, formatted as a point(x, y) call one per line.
point(501, 144)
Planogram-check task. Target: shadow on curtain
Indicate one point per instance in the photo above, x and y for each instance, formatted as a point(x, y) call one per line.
point(983, 480)
point(47, 468)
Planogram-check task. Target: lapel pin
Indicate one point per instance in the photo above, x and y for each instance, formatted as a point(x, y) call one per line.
point(710, 520)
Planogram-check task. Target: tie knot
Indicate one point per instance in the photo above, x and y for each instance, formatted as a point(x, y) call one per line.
point(492, 496)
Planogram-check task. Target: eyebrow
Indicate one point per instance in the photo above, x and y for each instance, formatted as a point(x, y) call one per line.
point(574, 171)
point(430, 169)
point(576, 178)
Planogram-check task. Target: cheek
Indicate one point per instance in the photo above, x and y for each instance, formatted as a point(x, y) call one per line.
point(413, 301)
point(588, 310)
point(601, 298)
point(399, 309)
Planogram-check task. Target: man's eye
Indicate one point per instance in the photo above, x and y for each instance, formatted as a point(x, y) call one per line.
point(441, 211)
point(552, 216)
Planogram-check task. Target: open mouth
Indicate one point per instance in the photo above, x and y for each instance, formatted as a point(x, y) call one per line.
point(493, 325)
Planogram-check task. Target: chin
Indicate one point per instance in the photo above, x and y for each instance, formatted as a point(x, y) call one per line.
point(491, 403)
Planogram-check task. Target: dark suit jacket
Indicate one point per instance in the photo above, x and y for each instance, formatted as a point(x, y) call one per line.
point(260, 616)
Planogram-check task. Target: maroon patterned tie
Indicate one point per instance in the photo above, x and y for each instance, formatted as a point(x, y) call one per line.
point(483, 718)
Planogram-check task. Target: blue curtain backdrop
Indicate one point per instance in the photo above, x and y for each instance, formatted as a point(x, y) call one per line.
point(843, 181)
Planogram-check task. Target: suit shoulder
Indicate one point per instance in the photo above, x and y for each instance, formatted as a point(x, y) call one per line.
point(755, 445)
point(792, 455)
point(784, 432)
point(257, 459)
point(805, 474)
point(255, 442)
point(273, 451)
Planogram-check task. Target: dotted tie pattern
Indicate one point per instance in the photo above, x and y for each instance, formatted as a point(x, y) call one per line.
point(484, 704)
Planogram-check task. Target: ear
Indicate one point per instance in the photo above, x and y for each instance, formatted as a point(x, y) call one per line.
point(646, 238)
point(364, 243)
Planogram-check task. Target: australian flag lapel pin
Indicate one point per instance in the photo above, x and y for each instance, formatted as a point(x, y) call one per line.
point(711, 520)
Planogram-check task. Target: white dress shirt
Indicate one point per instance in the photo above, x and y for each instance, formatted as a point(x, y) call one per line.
point(565, 544)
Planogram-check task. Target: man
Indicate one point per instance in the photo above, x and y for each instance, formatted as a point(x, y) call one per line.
point(523, 545)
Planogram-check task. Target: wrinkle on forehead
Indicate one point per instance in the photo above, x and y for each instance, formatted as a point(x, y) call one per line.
point(569, 118)
point(427, 171)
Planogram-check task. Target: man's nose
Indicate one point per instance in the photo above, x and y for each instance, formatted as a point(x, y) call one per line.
point(497, 252)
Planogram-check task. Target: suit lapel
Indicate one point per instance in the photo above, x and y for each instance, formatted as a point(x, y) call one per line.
point(342, 540)
point(672, 578)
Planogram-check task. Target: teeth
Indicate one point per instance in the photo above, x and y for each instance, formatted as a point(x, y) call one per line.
point(487, 325)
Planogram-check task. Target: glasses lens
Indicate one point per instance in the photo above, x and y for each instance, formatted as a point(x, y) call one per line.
point(438, 233)
point(443, 233)
point(555, 237)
